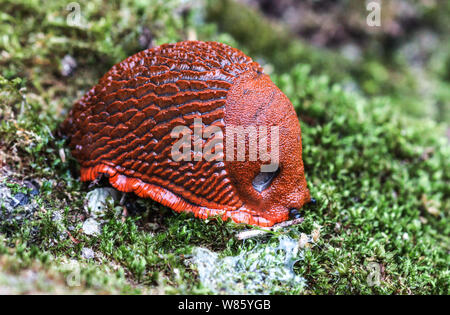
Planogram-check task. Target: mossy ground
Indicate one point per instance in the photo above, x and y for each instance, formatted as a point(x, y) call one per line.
point(377, 163)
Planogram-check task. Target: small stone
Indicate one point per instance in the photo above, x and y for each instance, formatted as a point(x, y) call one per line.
point(57, 216)
point(91, 227)
point(87, 253)
point(68, 65)
point(96, 200)
point(19, 199)
point(303, 241)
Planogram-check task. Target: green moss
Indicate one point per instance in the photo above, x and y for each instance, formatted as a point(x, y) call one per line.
point(376, 174)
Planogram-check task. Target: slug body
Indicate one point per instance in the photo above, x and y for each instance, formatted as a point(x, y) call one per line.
point(123, 129)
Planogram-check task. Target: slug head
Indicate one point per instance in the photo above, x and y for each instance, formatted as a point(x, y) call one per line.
point(268, 188)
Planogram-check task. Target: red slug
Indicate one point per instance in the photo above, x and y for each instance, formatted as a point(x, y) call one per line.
point(125, 128)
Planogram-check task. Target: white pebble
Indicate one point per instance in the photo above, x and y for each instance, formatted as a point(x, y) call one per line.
point(87, 253)
point(91, 227)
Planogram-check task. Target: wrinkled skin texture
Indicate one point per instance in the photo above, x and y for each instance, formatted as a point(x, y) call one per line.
point(255, 101)
point(122, 127)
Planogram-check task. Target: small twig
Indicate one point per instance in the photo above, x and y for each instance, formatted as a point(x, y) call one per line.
point(124, 213)
point(122, 199)
point(73, 239)
point(258, 232)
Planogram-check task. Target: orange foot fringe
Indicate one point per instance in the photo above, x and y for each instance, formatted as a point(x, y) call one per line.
point(169, 199)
